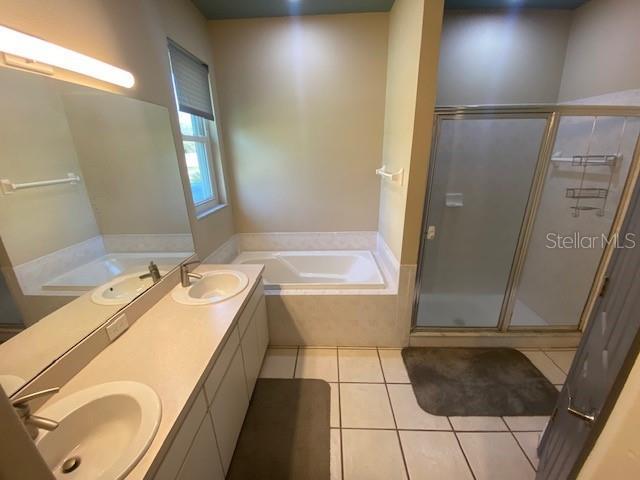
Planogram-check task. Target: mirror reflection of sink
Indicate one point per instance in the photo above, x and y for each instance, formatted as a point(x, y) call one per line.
point(103, 431)
point(214, 287)
point(122, 289)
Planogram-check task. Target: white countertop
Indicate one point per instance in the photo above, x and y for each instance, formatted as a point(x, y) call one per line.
point(170, 348)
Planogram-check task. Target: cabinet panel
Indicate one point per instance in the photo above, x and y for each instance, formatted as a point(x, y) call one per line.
point(250, 349)
point(212, 382)
point(262, 327)
point(203, 460)
point(247, 313)
point(178, 449)
point(229, 408)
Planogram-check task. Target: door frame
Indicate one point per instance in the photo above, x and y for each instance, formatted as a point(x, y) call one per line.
point(553, 113)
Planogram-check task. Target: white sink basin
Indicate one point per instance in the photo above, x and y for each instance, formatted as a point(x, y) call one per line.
point(121, 290)
point(214, 287)
point(107, 428)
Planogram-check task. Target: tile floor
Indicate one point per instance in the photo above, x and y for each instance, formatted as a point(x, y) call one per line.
point(378, 431)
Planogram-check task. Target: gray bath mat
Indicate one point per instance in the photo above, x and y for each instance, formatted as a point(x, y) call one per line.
point(285, 433)
point(478, 382)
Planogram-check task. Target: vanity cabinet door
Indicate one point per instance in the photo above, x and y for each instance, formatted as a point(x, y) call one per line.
point(229, 408)
point(262, 328)
point(203, 460)
point(249, 346)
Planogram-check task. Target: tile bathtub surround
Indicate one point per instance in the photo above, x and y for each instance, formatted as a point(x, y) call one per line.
point(306, 241)
point(379, 431)
point(134, 243)
point(225, 253)
point(33, 274)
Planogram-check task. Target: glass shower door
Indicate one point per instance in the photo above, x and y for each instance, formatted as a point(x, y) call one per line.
point(584, 182)
point(482, 172)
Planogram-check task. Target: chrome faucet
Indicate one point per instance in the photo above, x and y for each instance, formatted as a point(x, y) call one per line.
point(186, 275)
point(154, 273)
point(32, 422)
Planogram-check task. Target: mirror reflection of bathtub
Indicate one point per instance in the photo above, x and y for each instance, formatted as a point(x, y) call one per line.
point(90, 194)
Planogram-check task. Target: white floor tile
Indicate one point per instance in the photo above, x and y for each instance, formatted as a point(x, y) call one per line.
point(495, 456)
point(409, 415)
point(335, 405)
point(475, 424)
point(359, 366)
point(434, 455)
point(279, 363)
point(317, 363)
point(372, 455)
point(529, 442)
point(393, 365)
point(336, 455)
point(562, 358)
point(365, 405)
point(547, 367)
point(526, 424)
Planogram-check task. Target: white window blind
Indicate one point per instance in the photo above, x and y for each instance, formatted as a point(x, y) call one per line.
point(191, 82)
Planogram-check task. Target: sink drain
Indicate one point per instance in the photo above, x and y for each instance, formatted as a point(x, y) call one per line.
point(70, 464)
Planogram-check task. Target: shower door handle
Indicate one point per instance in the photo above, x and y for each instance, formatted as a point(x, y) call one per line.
point(431, 232)
point(587, 417)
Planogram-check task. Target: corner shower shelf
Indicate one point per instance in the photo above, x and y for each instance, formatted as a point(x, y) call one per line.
point(587, 192)
point(589, 160)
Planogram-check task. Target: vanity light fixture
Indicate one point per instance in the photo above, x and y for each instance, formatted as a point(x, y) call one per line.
point(34, 49)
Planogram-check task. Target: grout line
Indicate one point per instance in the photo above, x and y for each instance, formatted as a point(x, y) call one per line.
point(393, 414)
point(520, 446)
point(554, 362)
point(295, 365)
point(522, 449)
point(455, 434)
point(340, 417)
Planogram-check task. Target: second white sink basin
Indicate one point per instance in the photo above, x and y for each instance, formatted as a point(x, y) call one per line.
point(103, 430)
point(214, 287)
point(122, 289)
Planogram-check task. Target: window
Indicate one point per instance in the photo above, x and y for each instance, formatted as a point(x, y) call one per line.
point(195, 112)
point(197, 152)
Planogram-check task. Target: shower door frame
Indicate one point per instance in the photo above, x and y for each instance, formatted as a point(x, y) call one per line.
point(552, 113)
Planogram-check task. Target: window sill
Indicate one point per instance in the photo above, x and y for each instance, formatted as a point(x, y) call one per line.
point(211, 211)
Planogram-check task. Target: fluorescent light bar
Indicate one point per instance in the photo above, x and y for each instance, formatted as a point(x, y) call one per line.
point(32, 48)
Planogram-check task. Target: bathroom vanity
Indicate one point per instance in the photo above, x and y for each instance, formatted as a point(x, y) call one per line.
point(202, 361)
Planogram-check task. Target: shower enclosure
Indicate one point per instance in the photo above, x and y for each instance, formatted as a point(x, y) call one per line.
point(522, 205)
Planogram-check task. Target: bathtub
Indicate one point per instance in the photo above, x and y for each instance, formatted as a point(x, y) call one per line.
point(105, 268)
point(332, 269)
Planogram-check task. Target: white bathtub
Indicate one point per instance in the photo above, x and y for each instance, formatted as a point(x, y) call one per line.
point(331, 269)
point(106, 268)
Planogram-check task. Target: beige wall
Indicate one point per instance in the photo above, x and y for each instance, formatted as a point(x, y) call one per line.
point(616, 454)
point(414, 30)
point(128, 161)
point(131, 35)
point(302, 103)
point(497, 57)
point(36, 144)
point(602, 51)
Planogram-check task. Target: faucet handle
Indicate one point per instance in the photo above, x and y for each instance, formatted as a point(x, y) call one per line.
point(25, 399)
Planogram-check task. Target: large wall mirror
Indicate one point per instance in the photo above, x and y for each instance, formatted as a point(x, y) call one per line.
point(90, 195)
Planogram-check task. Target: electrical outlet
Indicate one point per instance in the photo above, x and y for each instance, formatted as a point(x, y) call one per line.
point(117, 327)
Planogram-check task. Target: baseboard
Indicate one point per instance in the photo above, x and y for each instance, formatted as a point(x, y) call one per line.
point(495, 339)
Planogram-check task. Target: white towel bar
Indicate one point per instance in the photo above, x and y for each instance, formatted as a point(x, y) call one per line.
point(8, 186)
